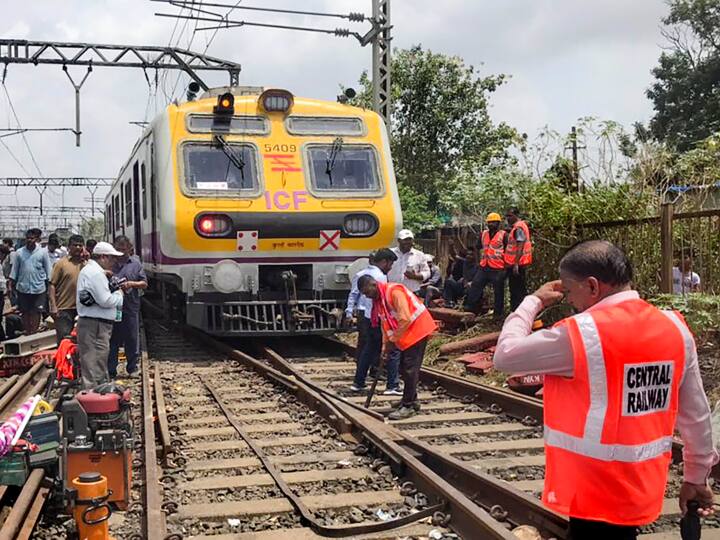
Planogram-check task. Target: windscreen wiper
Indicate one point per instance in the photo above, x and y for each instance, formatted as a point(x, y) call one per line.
point(336, 148)
point(235, 159)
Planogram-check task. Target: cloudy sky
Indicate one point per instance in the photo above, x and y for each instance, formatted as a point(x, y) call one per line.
point(567, 59)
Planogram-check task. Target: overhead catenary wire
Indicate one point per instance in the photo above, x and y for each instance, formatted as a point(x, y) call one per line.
point(227, 23)
point(355, 17)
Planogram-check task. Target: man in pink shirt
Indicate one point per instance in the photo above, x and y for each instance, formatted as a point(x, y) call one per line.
point(595, 276)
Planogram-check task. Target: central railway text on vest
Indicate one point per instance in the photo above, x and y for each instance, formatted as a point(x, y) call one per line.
point(646, 387)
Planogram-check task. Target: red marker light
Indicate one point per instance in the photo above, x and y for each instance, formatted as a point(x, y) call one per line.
point(206, 225)
point(213, 225)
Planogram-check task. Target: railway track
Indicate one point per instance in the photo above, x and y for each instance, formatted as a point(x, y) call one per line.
point(473, 427)
point(21, 506)
point(253, 454)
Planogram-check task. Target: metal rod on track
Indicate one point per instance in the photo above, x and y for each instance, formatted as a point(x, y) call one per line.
point(16, 518)
point(155, 526)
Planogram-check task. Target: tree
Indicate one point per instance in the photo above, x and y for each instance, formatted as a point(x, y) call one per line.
point(93, 228)
point(440, 124)
point(686, 95)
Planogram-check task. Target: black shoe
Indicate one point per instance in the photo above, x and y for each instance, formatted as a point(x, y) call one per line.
point(415, 405)
point(402, 413)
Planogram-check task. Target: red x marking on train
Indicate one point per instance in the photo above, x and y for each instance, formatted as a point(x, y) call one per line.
point(329, 240)
point(283, 162)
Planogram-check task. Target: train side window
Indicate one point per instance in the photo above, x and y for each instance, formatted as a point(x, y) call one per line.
point(128, 203)
point(108, 220)
point(143, 181)
point(343, 168)
point(213, 170)
point(117, 214)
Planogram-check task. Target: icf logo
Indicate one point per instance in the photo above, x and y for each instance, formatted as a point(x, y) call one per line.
point(282, 200)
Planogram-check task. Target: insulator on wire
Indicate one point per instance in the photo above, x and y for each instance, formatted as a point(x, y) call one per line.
point(356, 17)
point(342, 32)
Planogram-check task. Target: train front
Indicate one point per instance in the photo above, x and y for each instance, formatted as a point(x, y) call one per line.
point(275, 198)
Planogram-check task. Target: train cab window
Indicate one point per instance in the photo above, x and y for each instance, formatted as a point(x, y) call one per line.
point(214, 169)
point(319, 125)
point(343, 168)
point(248, 125)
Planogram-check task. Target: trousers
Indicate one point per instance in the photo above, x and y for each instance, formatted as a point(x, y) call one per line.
point(411, 360)
point(64, 323)
point(517, 286)
point(93, 345)
point(125, 333)
point(583, 529)
point(484, 277)
point(368, 351)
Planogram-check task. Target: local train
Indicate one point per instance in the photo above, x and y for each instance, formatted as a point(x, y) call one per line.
point(250, 207)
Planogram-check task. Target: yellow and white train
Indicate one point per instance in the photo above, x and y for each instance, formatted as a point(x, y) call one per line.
point(248, 206)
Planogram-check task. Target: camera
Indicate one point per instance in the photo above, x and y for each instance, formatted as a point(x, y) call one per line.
point(115, 283)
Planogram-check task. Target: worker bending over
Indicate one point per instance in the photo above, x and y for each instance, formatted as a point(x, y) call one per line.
point(406, 326)
point(619, 376)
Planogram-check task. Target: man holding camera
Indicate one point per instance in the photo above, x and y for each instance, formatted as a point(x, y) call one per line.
point(129, 270)
point(98, 308)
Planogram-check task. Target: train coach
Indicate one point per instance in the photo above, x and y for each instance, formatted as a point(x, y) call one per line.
point(250, 208)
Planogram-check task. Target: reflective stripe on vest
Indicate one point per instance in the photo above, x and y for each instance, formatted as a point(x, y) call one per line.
point(511, 250)
point(418, 310)
point(493, 250)
point(589, 445)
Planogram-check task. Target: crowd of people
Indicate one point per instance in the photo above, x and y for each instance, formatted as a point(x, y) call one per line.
point(88, 285)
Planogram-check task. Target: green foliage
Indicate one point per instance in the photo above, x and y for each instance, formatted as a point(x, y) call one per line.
point(701, 311)
point(440, 127)
point(417, 215)
point(93, 228)
point(685, 94)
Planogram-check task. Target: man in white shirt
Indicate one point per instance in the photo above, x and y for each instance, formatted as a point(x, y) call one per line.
point(98, 308)
point(369, 344)
point(55, 249)
point(411, 268)
point(685, 281)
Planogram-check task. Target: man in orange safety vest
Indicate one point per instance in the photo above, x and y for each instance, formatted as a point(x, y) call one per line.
point(406, 325)
point(518, 256)
point(491, 258)
point(620, 376)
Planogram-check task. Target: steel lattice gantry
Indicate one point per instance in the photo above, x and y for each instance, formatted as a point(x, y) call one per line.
point(19, 51)
point(55, 181)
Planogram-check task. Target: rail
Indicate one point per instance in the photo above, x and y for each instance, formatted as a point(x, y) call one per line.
point(464, 516)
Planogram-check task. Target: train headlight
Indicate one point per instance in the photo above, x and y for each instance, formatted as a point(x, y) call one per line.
point(213, 225)
point(274, 100)
point(360, 225)
point(227, 276)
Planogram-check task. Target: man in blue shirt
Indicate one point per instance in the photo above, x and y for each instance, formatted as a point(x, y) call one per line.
point(369, 344)
point(126, 332)
point(29, 279)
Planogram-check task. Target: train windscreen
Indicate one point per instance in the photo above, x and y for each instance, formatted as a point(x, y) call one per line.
point(228, 168)
point(343, 168)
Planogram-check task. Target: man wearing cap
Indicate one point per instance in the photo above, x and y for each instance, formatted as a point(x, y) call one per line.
point(98, 308)
point(369, 344)
point(411, 268)
point(491, 254)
